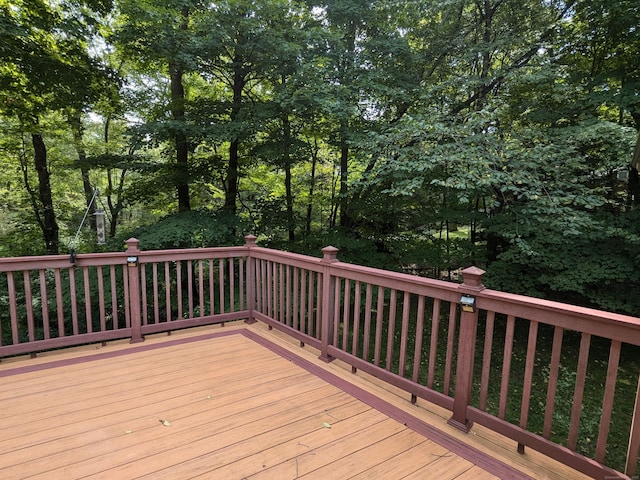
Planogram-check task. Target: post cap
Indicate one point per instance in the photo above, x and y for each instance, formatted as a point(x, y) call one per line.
point(132, 244)
point(330, 254)
point(250, 240)
point(472, 278)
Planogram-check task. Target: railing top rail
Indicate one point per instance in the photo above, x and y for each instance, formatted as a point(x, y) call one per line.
point(401, 281)
point(610, 325)
point(42, 262)
point(376, 275)
point(296, 259)
point(148, 256)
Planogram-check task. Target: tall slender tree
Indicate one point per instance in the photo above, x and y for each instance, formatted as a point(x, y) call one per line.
point(46, 67)
point(159, 37)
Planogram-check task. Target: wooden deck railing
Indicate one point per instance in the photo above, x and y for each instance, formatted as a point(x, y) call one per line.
point(523, 367)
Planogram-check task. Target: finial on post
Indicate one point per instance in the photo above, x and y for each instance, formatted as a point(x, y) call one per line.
point(132, 245)
point(472, 278)
point(250, 240)
point(330, 254)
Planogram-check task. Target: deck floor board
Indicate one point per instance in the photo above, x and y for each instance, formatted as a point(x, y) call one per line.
point(201, 407)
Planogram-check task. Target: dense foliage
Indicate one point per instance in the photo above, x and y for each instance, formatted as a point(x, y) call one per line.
point(421, 135)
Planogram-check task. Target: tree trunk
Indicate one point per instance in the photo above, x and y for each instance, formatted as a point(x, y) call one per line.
point(232, 178)
point(233, 166)
point(287, 176)
point(49, 225)
point(636, 153)
point(312, 184)
point(178, 113)
point(348, 67)
point(182, 148)
point(345, 218)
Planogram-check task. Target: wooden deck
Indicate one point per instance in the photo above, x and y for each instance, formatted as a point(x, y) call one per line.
point(229, 403)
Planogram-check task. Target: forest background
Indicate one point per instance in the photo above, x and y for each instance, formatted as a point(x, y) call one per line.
point(420, 136)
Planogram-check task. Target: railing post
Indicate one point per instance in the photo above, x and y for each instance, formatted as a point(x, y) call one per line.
point(249, 242)
point(472, 283)
point(327, 301)
point(133, 274)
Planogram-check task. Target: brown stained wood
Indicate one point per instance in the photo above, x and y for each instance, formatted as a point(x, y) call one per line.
point(236, 409)
point(58, 281)
point(304, 318)
point(336, 312)
point(486, 359)
point(101, 300)
point(607, 401)
point(634, 437)
point(190, 288)
point(476, 473)
point(179, 298)
point(410, 461)
point(356, 318)
point(87, 299)
point(211, 287)
point(113, 296)
point(241, 288)
point(296, 296)
point(45, 304)
point(367, 321)
point(315, 322)
point(57, 444)
point(316, 300)
point(270, 290)
point(448, 363)
point(13, 309)
point(552, 387)
point(528, 373)
point(191, 437)
point(346, 308)
point(223, 280)
point(417, 353)
point(331, 452)
point(506, 366)
point(384, 450)
point(392, 328)
point(28, 299)
point(201, 287)
point(287, 296)
point(240, 459)
point(433, 346)
point(406, 303)
point(92, 393)
point(281, 290)
point(377, 349)
point(232, 285)
point(490, 443)
point(445, 467)
point(581, 379)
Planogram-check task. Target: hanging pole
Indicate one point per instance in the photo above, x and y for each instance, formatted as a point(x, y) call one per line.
point(72, 249)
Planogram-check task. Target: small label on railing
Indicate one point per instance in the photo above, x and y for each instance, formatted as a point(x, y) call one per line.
point(132, 261)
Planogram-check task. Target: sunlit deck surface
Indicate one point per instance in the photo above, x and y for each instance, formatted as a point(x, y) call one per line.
point(231, 402)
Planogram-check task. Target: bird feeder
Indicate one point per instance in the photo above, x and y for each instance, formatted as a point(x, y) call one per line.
point(100, 226)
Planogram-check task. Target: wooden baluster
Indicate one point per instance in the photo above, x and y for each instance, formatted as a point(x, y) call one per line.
point(44, 304)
